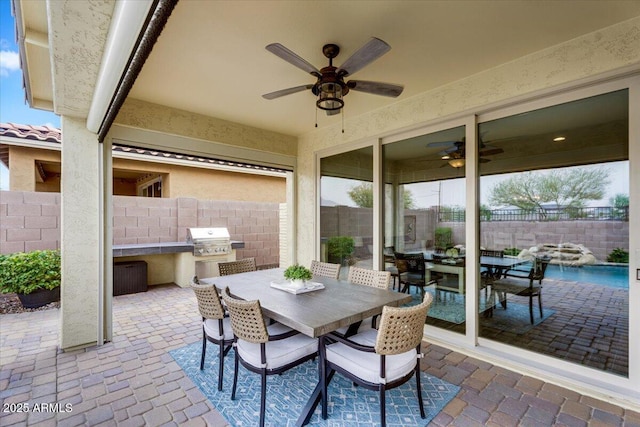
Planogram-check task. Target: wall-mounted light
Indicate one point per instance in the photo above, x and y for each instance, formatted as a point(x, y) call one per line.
point(559, 139)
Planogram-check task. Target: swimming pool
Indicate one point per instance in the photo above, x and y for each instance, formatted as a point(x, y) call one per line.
point(616, 276)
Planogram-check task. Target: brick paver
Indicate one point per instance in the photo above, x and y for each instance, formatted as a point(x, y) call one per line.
point(132, 381)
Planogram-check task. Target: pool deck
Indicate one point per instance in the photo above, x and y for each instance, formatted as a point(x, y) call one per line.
point(133, 381)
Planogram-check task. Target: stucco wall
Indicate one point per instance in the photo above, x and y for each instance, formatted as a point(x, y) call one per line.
point(178, 181)
point(598, 52)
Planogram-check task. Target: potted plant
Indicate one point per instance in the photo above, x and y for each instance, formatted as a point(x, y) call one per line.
point(297, 274)
point(340, 248)
point(33, 276)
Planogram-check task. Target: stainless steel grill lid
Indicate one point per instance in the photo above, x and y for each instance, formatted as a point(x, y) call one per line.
point(209, 240)
point(207, 234)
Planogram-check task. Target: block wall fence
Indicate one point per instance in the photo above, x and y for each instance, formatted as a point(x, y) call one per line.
point(601, 237)
point(30, 221)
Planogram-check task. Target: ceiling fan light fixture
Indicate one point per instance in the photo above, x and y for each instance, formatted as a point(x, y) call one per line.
point(456, 163)
point(330, 96)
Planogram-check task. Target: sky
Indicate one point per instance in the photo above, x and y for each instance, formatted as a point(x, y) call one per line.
point(13, 106)
point(452, 191)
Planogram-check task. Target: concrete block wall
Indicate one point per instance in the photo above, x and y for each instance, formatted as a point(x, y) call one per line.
point(29, 221)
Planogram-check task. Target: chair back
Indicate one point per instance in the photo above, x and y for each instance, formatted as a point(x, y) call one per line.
point(538, 270)
point(401, 328)
point(247, 321)
point(366, 277)
point(414, 262)
point(491, 252)
point(389, 254)
point(325, 269)
point(235, 267)
point(209, 303)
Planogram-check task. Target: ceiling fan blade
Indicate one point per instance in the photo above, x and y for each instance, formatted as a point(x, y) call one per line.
point(483, 160)
point(368, 53)
point(376, 88)
point(490, 151)
point(292, 58)
point(289, 91)
point(443, 143)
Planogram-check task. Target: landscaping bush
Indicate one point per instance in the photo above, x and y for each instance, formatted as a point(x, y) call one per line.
point(511, 251)
point(26, 272)
point(618, 255)
point(340, 248)
point(444, 237)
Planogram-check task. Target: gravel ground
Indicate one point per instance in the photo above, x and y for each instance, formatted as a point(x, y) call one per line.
point(10, 304)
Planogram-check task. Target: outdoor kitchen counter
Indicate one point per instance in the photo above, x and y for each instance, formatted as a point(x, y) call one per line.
point(160, 248)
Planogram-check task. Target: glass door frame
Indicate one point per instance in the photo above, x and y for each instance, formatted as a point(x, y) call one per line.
point(524, 361)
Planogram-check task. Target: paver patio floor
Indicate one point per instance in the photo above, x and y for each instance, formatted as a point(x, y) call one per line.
point(133, 381)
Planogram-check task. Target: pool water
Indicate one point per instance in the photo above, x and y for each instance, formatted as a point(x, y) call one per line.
point(607, 275)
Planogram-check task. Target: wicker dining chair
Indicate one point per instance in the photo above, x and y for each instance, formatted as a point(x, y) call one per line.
point(365, 277)
point(378, 360)
point(216, 325)
point(235, 267)
point(325, 269)
point(265, 350)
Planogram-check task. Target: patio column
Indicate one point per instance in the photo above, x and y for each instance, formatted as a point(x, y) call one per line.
point(80, 235)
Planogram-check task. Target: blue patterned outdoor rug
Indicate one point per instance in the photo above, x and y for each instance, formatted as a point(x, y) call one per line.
point(288, 393)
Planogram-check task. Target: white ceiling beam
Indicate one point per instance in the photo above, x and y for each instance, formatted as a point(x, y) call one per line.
point(128, 19)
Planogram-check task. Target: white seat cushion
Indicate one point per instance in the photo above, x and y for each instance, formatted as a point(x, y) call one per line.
point(367, 365)
point(211, 328)
point(280, 352)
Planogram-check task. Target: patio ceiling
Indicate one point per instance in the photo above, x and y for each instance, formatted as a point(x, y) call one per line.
point(210, 58)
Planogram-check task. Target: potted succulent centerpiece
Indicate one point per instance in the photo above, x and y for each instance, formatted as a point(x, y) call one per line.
point(34, 276)
point(297, 275)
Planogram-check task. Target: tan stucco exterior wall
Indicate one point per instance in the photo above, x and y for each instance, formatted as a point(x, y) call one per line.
point(599, 52)
point(178, 181)
point(22, 171)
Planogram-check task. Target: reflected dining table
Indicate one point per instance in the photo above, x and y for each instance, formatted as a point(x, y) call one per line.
point(314, 313)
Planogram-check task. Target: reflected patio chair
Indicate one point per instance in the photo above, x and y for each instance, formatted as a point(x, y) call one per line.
point(378, 360)
point(325, 269)
point(365, 277)
point(216, 325)
point(262, 349)
point(527, 285)
point(411, 272)
point(235, 267)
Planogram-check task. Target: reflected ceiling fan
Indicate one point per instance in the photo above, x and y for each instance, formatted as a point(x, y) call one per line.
point(455, 152)
point(330, 87)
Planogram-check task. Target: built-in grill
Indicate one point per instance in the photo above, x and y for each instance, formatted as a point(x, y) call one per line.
point(209, 241)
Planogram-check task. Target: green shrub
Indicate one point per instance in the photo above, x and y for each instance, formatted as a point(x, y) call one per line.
point(26, 272)
point(341, 246)
point(444, 237)
point(618, 255)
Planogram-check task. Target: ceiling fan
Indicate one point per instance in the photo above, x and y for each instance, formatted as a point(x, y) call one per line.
point(330, 87)
point(455, 152)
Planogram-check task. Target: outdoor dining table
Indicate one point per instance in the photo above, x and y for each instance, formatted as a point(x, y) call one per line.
point(314, 313)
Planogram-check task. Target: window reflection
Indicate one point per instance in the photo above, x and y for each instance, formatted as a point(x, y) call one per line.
point(346, 209)
point(558, 194)
point(424, 221)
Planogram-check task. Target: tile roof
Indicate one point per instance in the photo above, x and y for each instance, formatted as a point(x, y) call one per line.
point(51, 134)
point(38, 133)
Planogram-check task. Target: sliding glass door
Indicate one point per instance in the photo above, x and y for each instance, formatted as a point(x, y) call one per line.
point(346, 209)
point(554, 192)
point(424, 221)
